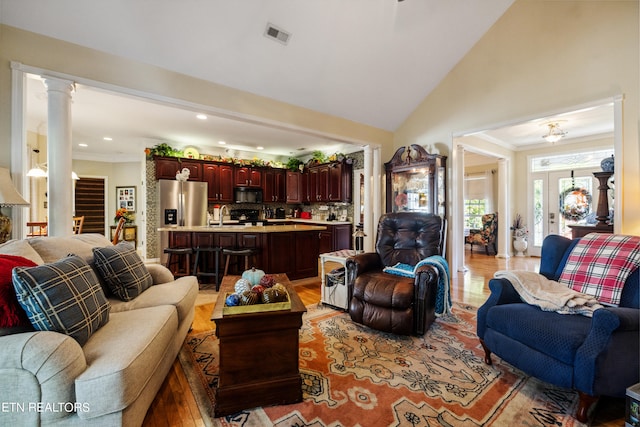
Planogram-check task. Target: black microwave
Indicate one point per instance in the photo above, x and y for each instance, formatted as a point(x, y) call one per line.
point(248, 195)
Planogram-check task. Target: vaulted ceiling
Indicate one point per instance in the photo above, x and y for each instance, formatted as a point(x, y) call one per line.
point(370, 61)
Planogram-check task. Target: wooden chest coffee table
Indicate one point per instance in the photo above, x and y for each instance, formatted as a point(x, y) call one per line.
point(258, 354)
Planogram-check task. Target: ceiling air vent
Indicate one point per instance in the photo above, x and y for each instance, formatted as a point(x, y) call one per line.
point(277, 34)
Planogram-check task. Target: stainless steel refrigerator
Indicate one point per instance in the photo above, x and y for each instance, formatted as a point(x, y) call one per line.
point(181, 203)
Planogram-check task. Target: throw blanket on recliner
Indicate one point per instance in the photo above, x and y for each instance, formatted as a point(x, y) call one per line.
point(549, 295)
point(443, 296)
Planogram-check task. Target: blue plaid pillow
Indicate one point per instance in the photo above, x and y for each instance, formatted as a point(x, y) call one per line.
point(122, 270)
point(64, 296)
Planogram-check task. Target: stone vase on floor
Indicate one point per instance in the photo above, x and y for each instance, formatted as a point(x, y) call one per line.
point(520, 245)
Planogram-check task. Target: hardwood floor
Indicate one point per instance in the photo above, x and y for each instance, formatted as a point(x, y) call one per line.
point(175, 405)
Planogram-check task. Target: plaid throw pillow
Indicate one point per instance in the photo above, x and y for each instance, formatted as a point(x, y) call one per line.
point(122, 270)
point(599, 265)
point(64, 296)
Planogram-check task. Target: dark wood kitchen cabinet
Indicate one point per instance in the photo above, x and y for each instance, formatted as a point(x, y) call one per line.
point(167, 167)
point(219, 178)
point(274, 185)
point(339, 183)
point(297, 254)
point(296, 186)
point(335, 238)
point(330, 182)
point(313, 190)
point(248, 177)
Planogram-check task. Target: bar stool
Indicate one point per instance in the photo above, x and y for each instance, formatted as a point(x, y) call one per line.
point(207, 254)
point(246, 253)
point(179, 257)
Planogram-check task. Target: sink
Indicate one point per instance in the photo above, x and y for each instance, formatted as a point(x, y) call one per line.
point(227, 226)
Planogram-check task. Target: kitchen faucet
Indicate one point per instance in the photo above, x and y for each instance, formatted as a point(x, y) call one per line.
point(222, 209)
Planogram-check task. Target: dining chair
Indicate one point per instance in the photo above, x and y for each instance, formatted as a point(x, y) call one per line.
point(78, 222)
point(37, 228)
point(118, 232)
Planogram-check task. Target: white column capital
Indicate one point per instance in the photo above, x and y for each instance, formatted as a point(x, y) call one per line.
point(54, 84)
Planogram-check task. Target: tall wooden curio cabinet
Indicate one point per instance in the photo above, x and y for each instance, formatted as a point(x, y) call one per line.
point(416, 181)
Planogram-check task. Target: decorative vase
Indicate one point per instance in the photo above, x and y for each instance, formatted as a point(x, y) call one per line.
point(607, 164)
point(520, 245)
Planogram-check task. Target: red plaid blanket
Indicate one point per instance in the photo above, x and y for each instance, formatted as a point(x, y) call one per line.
point(599, 264)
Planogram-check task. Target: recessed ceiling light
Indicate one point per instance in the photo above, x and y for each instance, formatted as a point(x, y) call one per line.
point(221, 142)
point(82, 144)
point(108, 138)
point(201, 116)
point(259, 148)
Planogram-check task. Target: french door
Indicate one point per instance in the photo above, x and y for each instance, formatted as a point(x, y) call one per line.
point(560, 199)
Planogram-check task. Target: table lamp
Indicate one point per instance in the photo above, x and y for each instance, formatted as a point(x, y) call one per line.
point(9, 196)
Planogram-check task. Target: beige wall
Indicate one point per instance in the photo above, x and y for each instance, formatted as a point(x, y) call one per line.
point(43, 52)
point(539, 57)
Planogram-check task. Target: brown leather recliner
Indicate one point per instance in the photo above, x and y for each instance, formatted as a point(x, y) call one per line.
point(392, 303)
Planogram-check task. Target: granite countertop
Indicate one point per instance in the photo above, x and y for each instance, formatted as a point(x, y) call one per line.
point(240, 228)
point(318, 221)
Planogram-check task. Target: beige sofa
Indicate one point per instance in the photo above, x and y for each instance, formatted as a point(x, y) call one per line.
point(47, 378)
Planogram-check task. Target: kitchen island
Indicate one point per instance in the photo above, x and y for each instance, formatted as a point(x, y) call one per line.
point(290, 249)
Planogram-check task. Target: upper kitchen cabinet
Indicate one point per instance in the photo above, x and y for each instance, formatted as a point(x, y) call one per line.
point(296, 187)
point(220, 181)
point(274, 185)
point(340, 179)
point(167, 167)
point(416, 181)
point(330, 182)
point(248, 177)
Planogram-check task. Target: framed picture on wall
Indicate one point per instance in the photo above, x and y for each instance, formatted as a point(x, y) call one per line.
point(126, 198)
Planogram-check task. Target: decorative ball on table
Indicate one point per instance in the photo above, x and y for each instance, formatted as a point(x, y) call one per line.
point(280, 288)
point(267, 281)
point(249, 298)
point(258, 289)
point(232, 300)
point(241, 286)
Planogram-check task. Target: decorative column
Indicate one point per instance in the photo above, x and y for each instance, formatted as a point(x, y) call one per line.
point(458, 211)
point(59, 163)
point(368, 212)
point(377, 194)
point(504, 234)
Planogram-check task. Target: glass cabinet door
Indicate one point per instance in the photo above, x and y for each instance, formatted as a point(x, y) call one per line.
point(411, 191)
point(416, 181)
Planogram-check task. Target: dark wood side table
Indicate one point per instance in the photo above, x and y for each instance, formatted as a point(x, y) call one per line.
point(258, 354)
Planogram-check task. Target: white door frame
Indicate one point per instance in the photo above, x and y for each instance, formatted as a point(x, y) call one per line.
point(458, 147)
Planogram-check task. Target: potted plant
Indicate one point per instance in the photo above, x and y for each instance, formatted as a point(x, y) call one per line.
point(294, 164)
point(318, 157)
point(164, 150)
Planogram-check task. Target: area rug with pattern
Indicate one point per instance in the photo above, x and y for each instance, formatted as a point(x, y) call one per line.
point(355, 376)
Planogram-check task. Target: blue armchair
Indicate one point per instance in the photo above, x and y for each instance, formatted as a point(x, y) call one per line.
point(594, 355)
